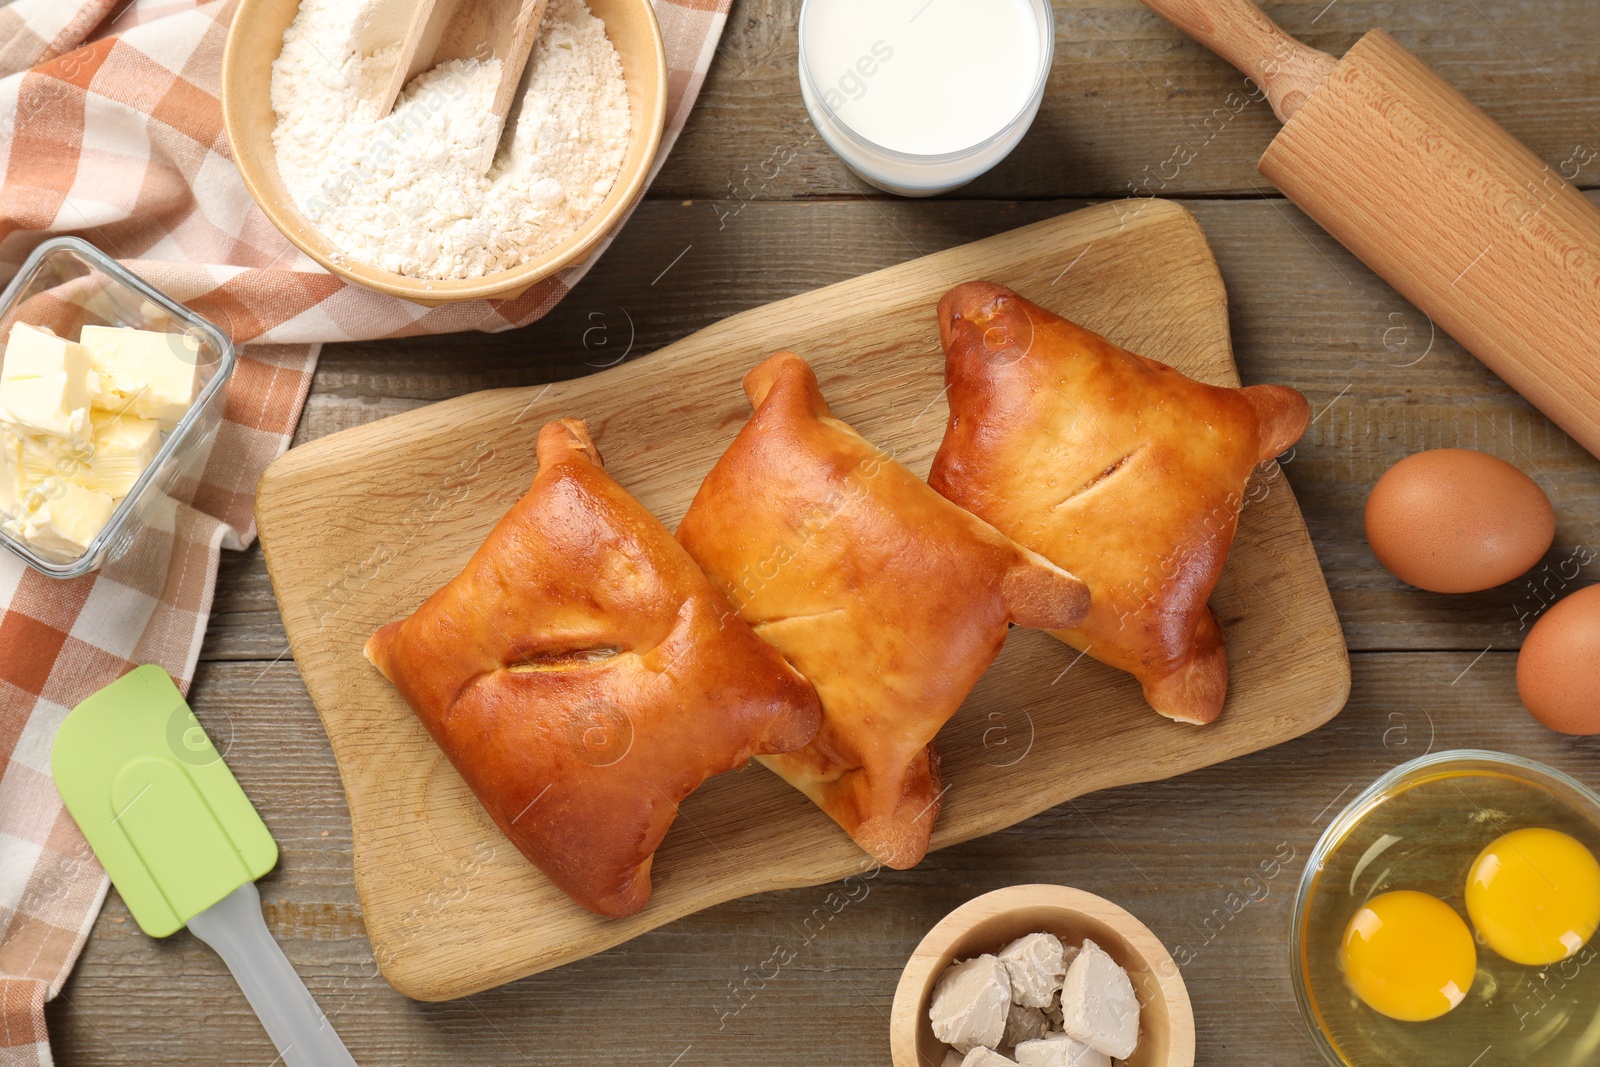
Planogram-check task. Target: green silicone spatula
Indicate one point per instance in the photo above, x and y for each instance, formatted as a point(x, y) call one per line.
point(183, 845)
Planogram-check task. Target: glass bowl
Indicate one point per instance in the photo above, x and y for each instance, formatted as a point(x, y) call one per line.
point(910, 173)
point(1420, 827)
point(67, 284)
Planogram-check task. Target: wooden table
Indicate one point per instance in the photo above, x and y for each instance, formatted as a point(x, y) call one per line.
point(752, 207)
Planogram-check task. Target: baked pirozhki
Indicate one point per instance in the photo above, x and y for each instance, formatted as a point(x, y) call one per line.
point(1116, 467)
point(584, 677)
point(888, 597)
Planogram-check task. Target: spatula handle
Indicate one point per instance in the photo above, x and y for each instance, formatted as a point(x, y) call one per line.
point(1240, 32)
point(234, 928)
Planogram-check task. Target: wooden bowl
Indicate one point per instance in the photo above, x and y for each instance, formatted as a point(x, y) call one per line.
point(988, 923)
point(256, 37)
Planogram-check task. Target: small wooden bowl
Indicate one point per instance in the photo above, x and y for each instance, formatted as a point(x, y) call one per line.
point(254, 41)
point(988, 923)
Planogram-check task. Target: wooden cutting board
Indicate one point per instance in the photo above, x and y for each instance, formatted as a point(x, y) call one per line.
point(361, 526)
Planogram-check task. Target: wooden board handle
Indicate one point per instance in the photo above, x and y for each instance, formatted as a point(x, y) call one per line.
point(1240, 32)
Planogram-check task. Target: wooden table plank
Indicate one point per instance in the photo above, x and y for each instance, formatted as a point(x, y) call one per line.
point(1132, 102)
point(1171, 852)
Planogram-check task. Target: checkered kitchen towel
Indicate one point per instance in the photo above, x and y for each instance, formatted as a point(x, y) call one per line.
point(110, 129)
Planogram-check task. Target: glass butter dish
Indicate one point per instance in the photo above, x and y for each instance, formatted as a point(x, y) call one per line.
point(64, 286)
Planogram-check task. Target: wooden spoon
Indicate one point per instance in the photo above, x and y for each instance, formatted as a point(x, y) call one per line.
point(432, 32)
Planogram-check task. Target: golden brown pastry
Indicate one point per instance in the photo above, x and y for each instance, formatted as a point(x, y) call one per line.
point(888, 597)
point(1116, 467)
point(584, 677)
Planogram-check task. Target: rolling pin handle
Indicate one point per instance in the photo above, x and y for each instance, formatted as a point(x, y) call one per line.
point(1240, 32)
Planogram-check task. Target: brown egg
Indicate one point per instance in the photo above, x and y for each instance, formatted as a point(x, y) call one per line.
point(1452, 520)
point(1558, 670)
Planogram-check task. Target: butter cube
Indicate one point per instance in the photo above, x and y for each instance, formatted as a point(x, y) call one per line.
point(41, 458)
point(10, 475)
point(1098, 1004)
point(143, 373)
point(952, 1058)
point(970, 1003)
point(986, 1057)
point(123, 447)
point(1059, 1050)
point(1036, 964)
point(44, 385)
point(60, 519)
point(118, 451)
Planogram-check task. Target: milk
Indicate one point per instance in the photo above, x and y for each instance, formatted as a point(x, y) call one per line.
point(924, 77)
point(921, 96)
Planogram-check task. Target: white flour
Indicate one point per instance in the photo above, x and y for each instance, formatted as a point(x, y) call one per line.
point(408, 194)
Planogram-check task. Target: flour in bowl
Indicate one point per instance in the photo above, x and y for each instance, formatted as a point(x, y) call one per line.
point(409, 193)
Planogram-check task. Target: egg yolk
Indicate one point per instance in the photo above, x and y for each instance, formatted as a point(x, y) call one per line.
point(1534, 896)
point(1408, 955)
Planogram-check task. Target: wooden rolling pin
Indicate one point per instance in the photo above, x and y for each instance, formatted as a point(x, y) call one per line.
point(1463, 219)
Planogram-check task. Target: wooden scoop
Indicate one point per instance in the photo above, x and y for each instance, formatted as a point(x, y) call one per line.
point(432, 32)
point(1445, 205)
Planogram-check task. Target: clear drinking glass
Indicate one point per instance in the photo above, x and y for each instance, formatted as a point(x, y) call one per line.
point(67, 284)
point(909, 173)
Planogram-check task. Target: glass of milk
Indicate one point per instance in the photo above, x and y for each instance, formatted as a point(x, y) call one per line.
point(922, 96)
